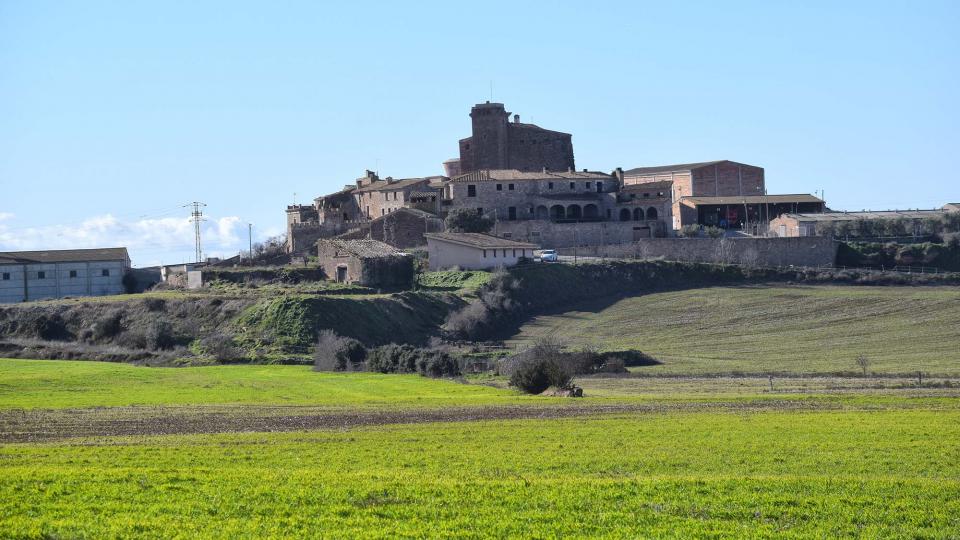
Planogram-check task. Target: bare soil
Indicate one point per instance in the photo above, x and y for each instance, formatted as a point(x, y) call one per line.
point(38, 425)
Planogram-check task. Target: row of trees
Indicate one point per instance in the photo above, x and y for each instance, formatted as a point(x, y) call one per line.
point(948, 223)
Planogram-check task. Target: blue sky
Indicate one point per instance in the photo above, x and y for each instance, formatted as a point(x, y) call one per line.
point(115, 114)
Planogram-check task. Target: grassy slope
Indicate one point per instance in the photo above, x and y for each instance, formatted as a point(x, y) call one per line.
point(775, 328)
point(877, 473)
point(59, 384)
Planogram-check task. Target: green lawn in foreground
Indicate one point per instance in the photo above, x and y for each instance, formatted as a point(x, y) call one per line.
point(878, 473)
point(798, 329)
point(59, 384)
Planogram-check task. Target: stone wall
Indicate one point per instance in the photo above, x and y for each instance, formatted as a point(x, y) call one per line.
point(550, 235)
point(809, 251)
point(401, 229)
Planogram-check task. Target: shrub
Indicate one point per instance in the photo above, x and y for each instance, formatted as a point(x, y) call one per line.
point(714, 232)
point(219, 345)
point(494, 309)
point(337, 353)
point(107, 326)
point(534, 375)
point(160, 336)
point(468, 221)
point(689, 231)
point(395, 358)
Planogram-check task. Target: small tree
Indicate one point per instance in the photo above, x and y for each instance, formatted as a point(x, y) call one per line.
point(863, 363)
point(714, 232)
point(689, 231)
point(468, 221)
point(337, 353)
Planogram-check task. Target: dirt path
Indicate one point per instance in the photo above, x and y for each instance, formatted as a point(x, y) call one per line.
point(50, 424)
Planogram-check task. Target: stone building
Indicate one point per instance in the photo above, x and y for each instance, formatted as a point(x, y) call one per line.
point(722, 193)
point(40, 275)
point(366, 262)
point(498, 143)
point(404, 228)
point(474, 251)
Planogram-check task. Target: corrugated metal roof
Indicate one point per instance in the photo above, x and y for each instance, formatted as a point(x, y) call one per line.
point(478, 240)
point(853, 216)
point(65, 255)
point(751, 199)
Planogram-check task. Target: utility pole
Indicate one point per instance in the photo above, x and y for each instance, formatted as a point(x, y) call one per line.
point(250, 239)
point(196, 216)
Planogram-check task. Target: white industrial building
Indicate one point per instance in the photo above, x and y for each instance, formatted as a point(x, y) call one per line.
point(474, 251)
point(40, 275)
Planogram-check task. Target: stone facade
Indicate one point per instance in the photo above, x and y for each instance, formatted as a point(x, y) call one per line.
point(809, 251)
point(365, 262)
point(706, 179)
point(498, 143)
point(551, 235)
point(401, 229)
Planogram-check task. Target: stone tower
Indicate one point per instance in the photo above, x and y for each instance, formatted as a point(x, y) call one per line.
point(497, 143)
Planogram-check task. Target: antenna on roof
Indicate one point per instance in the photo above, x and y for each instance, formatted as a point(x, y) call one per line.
point(491, 89)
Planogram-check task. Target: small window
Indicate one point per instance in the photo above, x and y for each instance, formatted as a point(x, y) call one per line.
point(394, 195)
point(41, 275)
point(504, 253)
point(660, 194)
point(573, 185)
point(508, 235)
point(105, 272)
point(73, 273)
point(494, 253)
point(589, 185)
point(514, 253)
point(646, 195)
point(471, 190)
point(6, 276)
point(499, 187)
point(484, 254)
point(510, 187)
point(549, 185)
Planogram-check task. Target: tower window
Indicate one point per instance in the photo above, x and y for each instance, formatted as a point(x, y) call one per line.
point(471, 190)
point(73, 273)
point(573, 185)
point(105, 272)
point(6, 276)
point(499, 187)
point(510, 187)
point(549, 185)
point(41, 275)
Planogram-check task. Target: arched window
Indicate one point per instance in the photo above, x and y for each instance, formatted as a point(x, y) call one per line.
point(574, 212)
point(624, 214)
point(651, 213)
point(638, 214)
point(557, 212)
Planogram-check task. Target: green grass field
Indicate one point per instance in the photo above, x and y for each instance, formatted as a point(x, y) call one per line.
point(760, 329)
point(60, 384)
point(878, 473)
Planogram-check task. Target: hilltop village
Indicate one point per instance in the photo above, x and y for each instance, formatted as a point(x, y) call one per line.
point(524, 179)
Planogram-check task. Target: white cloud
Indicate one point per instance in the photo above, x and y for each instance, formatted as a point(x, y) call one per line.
point(6, 215)
point(150, 240)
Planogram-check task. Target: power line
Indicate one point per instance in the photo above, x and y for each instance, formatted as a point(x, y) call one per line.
point(196, 217)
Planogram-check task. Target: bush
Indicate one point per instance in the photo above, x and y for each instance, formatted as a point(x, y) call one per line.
point(395, 358)
point(689, 231)
point(337, 353)
point(534, 375)
point(714, 232)
point(219, 345)
point(494, 309)
point(468, 221)
point(160, 336)
point(107, 326)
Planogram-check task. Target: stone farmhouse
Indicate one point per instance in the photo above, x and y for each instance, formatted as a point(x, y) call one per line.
point(523, 176)
point(366, 262)
point(39, 275)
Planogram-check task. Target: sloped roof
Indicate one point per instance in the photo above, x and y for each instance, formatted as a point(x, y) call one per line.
point(665, 185)
point(952, 207)
point(680, 167)
point(363, 249)
point(881, 214)
point(751, 199)
point(65, 255)
point(493, 175)
point(384, 185)
point(478, 240)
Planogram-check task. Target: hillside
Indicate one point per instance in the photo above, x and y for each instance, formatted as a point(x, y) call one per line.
point(773, 328)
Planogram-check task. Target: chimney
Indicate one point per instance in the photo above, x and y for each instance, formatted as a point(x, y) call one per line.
point(516, 119)
point(359, 183)
point(618, 172)
point(544, 170)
